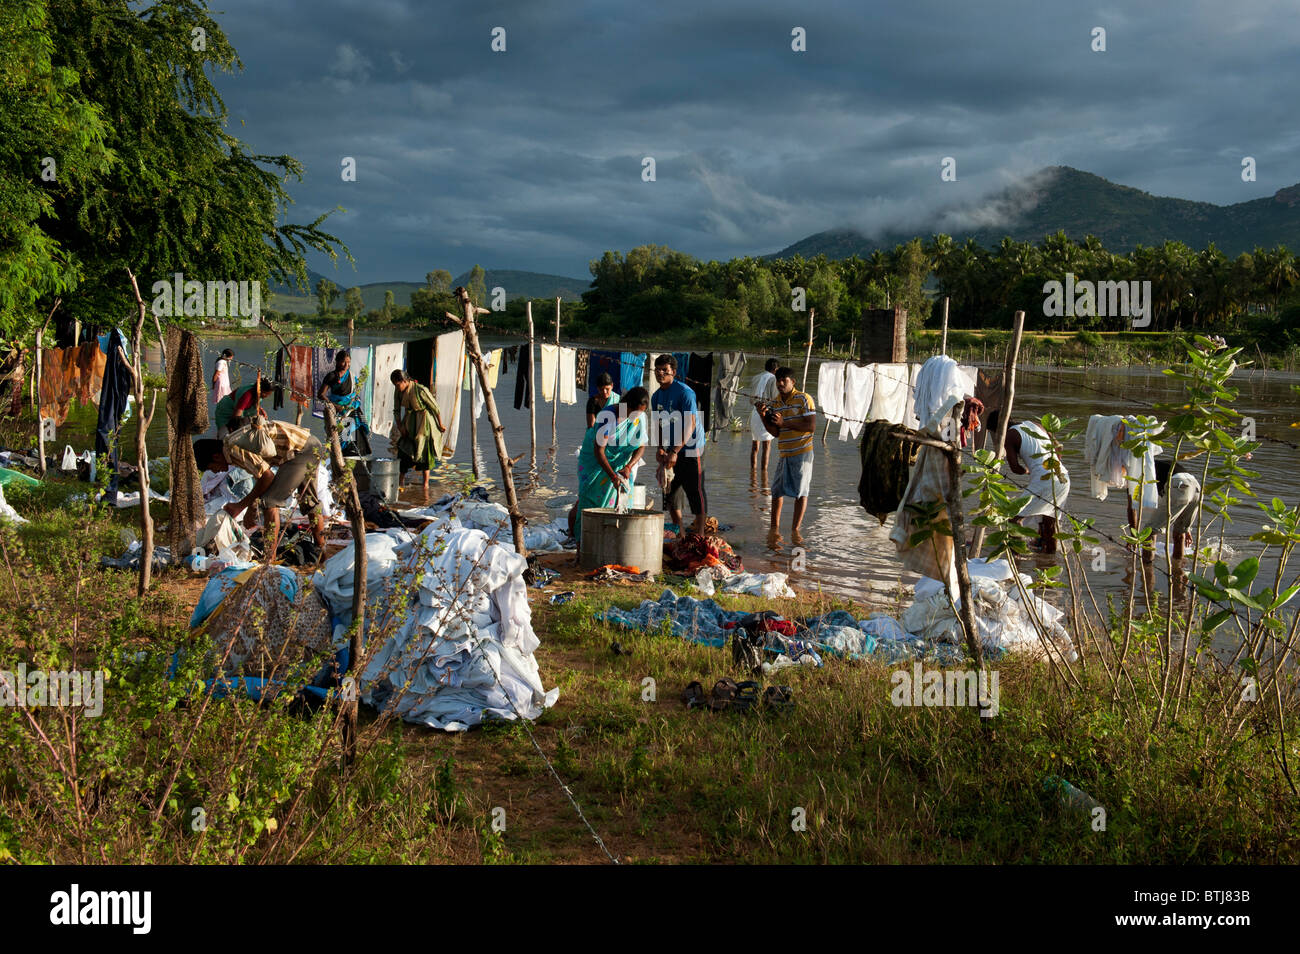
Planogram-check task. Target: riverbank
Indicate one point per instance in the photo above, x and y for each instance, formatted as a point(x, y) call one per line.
point(845, 776)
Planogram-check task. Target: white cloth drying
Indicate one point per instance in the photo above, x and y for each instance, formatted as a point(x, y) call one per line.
point(889, 398)
point(567, 359)
point(830, 390)
point(859, 387)
point(910, 417)
point(449, 372)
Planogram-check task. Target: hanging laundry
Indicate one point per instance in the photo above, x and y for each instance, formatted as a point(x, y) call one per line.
point(90, 371)
point(909, 414)
point(891, 394)
point(683, 365)
point(492, 361)
point(886, 466)
point(322, 363)
point(582, 361)
point(56, 384)
point(449, 370)
point(187, 415)
point(524, 378)
point(631, 372)
point(561, 361)
point(700, 379)
point(277, 395)
point(988, 388)
point(363, 363)
point(859, 387)
point(940, 388)
point(731, 364)
point(300, 373)
point(604, 362)
point(830, 390)
point(388, 358)
point(113, 401)
point(420, 356)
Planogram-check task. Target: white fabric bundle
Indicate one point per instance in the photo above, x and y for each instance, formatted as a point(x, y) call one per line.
point(830, 390)
point(859, 387)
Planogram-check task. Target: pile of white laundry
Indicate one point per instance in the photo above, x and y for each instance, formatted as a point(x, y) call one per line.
point(450, 627)
point(1004, 621)
point(494, 520)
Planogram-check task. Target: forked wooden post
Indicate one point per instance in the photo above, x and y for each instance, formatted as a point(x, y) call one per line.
point(352, 504)
point(142, 422)
point(1004, 415)
point(957, 521)
point(473, 430)
point(943, 342)
point(498, 432)
point(36, 387)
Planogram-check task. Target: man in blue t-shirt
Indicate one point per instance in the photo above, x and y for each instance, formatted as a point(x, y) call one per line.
point(679, 434)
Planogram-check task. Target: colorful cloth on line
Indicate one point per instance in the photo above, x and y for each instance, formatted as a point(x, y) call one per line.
point(631, 371)
point(582, 360)
point(604, 362)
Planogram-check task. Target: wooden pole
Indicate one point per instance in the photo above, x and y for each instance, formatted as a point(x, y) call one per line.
point(943, 343)
point(956, 520)
point(807, 358)
point(36, 388)
point(142, 420)
point(1004, 415)
point(473, 430)
point(555, 403)
point(352, 504)
point(350, 330)
point(498, 432)
point(532, 392)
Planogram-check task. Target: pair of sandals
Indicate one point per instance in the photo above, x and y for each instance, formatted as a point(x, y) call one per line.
point(731, 696)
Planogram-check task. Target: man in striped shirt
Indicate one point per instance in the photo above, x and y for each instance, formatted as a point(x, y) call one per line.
point(791, 419)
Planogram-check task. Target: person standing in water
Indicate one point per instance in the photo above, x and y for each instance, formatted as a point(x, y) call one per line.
point(339, 388)
point(763, 391)
point(791, 420)
point(419, 427)
point(221, 376)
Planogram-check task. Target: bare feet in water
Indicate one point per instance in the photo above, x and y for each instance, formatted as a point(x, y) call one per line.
point(774, 540)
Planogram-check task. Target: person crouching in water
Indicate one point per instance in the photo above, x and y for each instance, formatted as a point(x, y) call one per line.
point(611, 451)
point(1030, 451)
point(419, 427)
point(298, 456)
point(791, 420)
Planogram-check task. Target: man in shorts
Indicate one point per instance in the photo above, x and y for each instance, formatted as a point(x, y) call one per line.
point(297, 455)
point(762, 390)
point(791, 420)
point(679, 433)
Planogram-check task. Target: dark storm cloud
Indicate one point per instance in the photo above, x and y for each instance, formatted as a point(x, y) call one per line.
point(532, 158)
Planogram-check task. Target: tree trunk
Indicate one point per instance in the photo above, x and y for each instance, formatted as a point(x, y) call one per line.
point(807, 358)
point(532, 392)
point(142, 420)
point(352, 504)
point(498, 432)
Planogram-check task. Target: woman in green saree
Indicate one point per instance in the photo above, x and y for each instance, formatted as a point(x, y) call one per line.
point(609, 452)
point(419, 426)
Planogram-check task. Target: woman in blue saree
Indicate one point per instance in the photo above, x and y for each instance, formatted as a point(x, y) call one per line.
point(610, 450)
point(339, 388)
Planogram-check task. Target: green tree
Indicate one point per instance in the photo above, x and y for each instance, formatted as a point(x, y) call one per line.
point(439, 281)
point(353, 304)
point(326, 292)
point(182, 194)
point(477, 286)
point(386, 316)
point(43, 113)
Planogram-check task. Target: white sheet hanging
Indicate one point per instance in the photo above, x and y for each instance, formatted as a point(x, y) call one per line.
point(859, 387)
point(830, 390)
point(388, 358)
point(567, 359)
point(449, 372)
point(889, 400)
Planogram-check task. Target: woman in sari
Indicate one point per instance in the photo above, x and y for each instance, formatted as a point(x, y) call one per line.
point(419, 427)
point(339, 388)
point(610, 451)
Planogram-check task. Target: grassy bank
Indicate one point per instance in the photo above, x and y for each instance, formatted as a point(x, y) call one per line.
point(660, 783)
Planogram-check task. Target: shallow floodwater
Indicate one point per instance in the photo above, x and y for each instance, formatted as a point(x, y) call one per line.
point(847, 551)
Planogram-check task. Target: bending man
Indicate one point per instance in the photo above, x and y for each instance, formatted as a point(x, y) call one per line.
point(298, 455)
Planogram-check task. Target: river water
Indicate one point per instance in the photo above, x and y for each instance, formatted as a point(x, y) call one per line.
point(847, 552)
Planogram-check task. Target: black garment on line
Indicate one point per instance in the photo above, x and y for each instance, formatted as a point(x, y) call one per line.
point(277, 401)
point(419, 360)
point(524, 377)
point(112, 405)
point(701, 382)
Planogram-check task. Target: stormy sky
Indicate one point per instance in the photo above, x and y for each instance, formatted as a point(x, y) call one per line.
point(532, 158)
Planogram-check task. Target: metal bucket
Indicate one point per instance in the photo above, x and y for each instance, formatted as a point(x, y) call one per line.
point(635, 538)
point(385, 477)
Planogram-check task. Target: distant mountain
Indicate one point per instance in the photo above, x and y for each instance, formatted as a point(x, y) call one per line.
point(530, 284)
point(1082, 204)
point(517, 285)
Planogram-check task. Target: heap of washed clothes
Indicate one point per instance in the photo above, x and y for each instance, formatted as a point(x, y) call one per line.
point(928, 630)
point(474, 510)
point(446, 611)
